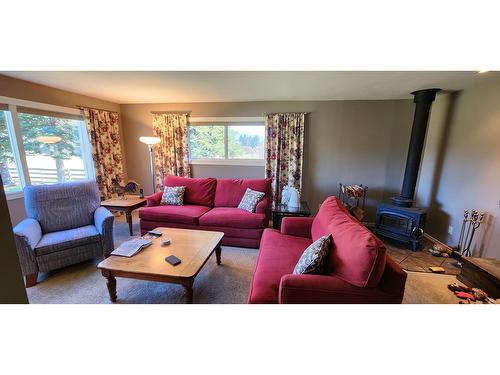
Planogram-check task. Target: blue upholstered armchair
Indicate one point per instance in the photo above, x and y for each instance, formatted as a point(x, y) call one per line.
point(65, 225)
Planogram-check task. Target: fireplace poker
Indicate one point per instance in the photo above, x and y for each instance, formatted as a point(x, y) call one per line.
point(476, 222)
point(464, 222)
point(469, 226)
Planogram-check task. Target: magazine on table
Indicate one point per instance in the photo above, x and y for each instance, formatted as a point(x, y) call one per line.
point(131, 247)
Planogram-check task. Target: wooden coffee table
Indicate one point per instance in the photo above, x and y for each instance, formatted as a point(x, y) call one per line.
point(192, 247)
point(127, 205)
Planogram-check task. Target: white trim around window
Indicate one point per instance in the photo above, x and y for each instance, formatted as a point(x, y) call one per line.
point(242, 162)
point(42, 106)
point(259, 120)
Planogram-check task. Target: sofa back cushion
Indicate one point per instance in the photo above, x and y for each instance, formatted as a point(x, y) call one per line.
point(199, 191)
point(357, 256)
point(230, 191)
point(62, 206)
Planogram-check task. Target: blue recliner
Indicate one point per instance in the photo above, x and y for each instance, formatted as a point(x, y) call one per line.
point(65, 225)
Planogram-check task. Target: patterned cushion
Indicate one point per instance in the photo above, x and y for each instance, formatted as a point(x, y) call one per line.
point(313, 258)
point(173, 195)
point(250, 200)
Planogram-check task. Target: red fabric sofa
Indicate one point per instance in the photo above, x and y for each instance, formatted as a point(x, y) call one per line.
point(358, 269)
point(212, 204)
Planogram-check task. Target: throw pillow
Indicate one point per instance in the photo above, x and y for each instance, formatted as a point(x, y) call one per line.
point(313, 258)
point(173, 195)
point(250, 200)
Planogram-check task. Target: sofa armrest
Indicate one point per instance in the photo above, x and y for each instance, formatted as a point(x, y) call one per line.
point(328, 289)
point(393, 279)
point(27, 234)
point(103, 220)
point(154, 199)
point(262, 207)
point(297, 226)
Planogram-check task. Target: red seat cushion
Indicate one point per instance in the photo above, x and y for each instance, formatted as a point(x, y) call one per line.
point(199, 191)
point(233, 217)
point(357, 256)
point(187, 214)
point(230, 191)
point(278, 255)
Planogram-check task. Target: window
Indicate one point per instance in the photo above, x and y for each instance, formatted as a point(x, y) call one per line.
point(41, 144)
point(53, 149)
point(8, 165)
point(206, 142)
point(226, 142)
point(246, 142)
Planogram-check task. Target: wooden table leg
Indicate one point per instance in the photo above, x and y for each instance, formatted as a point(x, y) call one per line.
point(218, 253)
point(188, 291)
point(128, 214)
point(111, 284)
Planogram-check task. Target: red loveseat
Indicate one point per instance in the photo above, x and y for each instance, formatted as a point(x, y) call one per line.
point(212, 204)
point(358, 270)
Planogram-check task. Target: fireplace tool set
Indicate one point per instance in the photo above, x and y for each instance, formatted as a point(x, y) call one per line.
point(471, 222)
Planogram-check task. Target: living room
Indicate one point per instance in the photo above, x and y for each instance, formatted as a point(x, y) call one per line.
point(265, 187)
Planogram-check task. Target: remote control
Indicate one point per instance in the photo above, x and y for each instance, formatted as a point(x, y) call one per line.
point(173, 260)
point(155, 233)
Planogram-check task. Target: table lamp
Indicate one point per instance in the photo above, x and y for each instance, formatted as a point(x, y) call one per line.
point(151, 141)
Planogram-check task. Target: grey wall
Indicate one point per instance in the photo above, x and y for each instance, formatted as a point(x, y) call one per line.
point(346, 141)
point(461, 165)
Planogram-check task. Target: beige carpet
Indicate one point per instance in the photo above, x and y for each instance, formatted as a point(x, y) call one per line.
point(227, 283)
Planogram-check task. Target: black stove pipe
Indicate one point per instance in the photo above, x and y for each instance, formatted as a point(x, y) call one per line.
point(423, 100)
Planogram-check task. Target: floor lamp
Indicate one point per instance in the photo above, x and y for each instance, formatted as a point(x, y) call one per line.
point(151, 141)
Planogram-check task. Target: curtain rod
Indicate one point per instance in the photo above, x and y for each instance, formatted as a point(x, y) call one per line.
point(171, 112)
point(98, 109)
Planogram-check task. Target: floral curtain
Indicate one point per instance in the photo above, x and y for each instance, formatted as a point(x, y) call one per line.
point(106, 150)
point(171, 154)
point(284, 145)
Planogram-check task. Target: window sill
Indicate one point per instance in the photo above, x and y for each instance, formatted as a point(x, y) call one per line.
point(236, 162)
point(16, 195)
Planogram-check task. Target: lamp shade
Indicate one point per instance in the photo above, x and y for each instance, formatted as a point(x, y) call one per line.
point(48, 139)
point(149, 140)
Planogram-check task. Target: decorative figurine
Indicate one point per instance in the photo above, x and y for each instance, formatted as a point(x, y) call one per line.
point(290, 197)
point(130, 187)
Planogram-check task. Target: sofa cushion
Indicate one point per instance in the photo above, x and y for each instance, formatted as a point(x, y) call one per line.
point(233, 217)
point(65, 239)
point(173, 195)
point(199, 191)
point(278, 255)
point(62, 206)
point(314, 257)
point(230, 191)
point(357, 256)
point(187, 214)
point(250, 200)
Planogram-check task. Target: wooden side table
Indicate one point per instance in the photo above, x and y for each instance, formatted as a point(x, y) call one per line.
point(127, 205)
point(280, 211)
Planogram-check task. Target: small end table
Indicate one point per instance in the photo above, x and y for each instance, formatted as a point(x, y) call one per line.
point(280, 211)
point(127, 205)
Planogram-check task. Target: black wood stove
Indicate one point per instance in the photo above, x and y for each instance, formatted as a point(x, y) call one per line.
point(400, 220)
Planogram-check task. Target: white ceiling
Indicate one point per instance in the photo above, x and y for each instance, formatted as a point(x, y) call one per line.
point(226, 86)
